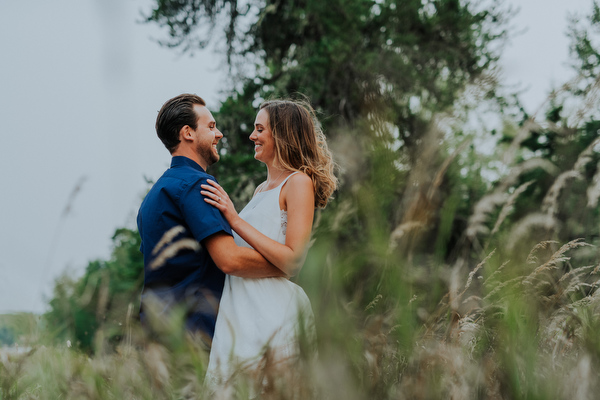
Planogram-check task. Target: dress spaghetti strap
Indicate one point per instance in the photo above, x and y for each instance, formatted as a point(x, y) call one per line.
point(289, 176)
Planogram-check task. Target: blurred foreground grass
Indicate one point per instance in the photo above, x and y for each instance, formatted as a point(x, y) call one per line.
point(427, 282)
point(499, 303)
point(405, 308)
point(526, 329)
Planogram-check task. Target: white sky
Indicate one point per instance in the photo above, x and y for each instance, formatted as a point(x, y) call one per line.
point(81, 82)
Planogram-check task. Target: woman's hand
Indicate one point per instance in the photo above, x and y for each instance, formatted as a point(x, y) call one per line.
point(216, 196)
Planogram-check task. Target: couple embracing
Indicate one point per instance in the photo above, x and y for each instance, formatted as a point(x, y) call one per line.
point(234, 283)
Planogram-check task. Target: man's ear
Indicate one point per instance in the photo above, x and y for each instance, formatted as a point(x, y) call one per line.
point(186, 133)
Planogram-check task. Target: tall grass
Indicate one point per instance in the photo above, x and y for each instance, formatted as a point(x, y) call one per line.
point(522, 329)
point(509, 311)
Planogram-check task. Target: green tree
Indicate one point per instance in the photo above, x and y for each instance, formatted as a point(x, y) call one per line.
point(376, 71)
point(352, 58)
point(7, 336)
point(102, 299)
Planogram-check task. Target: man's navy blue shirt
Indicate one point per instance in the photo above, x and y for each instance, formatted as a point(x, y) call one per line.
point(190, 278)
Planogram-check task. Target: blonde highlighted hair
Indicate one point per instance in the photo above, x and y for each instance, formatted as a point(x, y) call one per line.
point(301, 146)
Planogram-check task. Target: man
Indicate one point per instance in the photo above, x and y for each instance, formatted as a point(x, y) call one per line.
point(174, 218)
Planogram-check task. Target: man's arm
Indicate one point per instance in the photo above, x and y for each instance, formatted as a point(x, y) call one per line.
point(239, 261)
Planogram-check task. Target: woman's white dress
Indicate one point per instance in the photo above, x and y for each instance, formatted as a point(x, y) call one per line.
point(258, 316)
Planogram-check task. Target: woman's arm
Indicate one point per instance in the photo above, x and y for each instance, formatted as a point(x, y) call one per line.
point(239, 261)
point(298, 197)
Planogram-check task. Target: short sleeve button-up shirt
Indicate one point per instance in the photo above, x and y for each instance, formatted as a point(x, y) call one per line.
point(190, 278)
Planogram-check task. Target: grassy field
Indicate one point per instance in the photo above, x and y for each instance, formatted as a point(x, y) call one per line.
point(507, 309)
point(523, 331)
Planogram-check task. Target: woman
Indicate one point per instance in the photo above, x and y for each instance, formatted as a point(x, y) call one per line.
point(259, 318)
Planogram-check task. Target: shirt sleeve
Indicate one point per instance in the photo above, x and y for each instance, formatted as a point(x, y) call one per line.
point(202, 218)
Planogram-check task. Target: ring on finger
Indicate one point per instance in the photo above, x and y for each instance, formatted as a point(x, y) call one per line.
point(218, 199)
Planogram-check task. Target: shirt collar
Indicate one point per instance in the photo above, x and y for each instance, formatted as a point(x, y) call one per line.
point(182, 161)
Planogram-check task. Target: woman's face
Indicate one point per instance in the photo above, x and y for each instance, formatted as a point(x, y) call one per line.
point(264, 144)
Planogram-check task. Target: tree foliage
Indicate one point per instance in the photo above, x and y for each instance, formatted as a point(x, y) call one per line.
point(382, 74)
point(376, 71)
point(349, 57)
point(106, 296)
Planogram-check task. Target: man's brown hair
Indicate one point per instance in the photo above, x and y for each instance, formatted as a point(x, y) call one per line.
point(174, 115)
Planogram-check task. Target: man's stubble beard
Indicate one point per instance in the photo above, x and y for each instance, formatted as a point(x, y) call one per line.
point(208, 155)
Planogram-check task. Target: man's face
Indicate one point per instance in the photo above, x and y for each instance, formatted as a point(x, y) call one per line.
point(207, 136)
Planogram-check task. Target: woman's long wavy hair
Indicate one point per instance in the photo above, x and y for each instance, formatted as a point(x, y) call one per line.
point(301, 146)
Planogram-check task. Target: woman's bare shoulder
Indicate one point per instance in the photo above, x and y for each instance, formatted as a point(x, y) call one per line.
point(298, 184)
point(298, 188)
point(299, 181)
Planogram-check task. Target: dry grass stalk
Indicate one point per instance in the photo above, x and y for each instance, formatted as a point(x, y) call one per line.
point(401, 230)
point(577, 286)
point(455, 283)
point(550, 202)
point(557, 257)
point(593, 191)
point(580, 379)
point(167, 237)
point(483, 208)
point(491, 278)
point(577, 272)
point(73, 196)
point(155, 360)
point(477, 268)
point(590, 101)
point(555, 93)
point(420, 202)
point(524, 226)
point(455, 300)
point(89, 291)
point(585, 302)
point(471, 298)
point(586, 156)
point(128, 331)
point(437, 181)
point(556, 333)
point(489, 202)
point(374, 302)
point(172, 250)
point(508, 206)
point(529, 165)
point(531, 258)
point(103, 297)
point(518, 280)
point(522, 135)
point(345, 209)
point(457, 377)
point(468, 329)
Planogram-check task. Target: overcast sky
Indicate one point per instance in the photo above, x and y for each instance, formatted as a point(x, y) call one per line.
point(81, 82)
